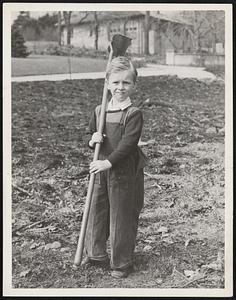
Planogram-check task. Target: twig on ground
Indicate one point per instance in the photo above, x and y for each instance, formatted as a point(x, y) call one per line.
point(187, 281)
point(25, 227)
point(80, 175)
point(179, 274)
point(192, 281)
point(152, 175)
point(21, 189)
point(193, 120)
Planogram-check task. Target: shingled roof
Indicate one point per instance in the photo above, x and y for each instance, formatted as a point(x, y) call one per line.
point(111, 15)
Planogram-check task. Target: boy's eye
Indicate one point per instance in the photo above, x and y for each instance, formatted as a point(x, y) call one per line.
point(124, 82)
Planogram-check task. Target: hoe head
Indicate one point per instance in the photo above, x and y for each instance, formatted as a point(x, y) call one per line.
point(119, 44)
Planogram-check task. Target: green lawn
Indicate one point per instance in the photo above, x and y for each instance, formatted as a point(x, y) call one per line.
point(45, 64)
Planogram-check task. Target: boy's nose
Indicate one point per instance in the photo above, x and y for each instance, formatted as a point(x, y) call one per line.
point(120, 85)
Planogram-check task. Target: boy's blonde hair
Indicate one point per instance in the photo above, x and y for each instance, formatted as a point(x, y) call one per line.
point(121, 63)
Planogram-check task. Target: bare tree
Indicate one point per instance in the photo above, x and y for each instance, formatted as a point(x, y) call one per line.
point(207, 28)
point(96, 29)
point(59, 28)
point(67, 17)
point(146, 32)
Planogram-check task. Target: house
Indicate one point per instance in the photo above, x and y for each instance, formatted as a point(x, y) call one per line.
point(164, 31)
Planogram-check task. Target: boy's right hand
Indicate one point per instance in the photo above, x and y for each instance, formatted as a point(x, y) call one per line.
point(96, 138)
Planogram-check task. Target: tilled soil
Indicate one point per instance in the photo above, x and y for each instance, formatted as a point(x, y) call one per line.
point(180, 242)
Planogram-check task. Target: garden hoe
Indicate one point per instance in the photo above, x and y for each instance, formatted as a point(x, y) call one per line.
point(118, 47)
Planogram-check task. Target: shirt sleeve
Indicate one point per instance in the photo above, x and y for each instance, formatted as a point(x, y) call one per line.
point(92, 123)
point(130, 138)
point(91, 128)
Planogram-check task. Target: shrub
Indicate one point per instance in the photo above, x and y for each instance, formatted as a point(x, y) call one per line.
point(139, 63)
point(216, 70)
point(85, 52)
point(74, 51)
point(18, 48)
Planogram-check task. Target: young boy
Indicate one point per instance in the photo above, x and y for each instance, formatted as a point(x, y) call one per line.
point(119, 184)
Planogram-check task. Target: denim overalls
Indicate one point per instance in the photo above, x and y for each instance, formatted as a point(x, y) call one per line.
point(117, 200)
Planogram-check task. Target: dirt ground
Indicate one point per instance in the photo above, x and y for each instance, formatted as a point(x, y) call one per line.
point(180, 243)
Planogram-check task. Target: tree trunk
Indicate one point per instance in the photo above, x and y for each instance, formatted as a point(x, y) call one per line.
point(196, 32)
point(96, 28)
point(59, 28)
point(67, 16)
point(109, 31)
point(124, 26)
point(146, 33)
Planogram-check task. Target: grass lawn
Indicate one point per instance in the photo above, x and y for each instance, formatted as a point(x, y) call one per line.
point(45, 64)
point(180, 242)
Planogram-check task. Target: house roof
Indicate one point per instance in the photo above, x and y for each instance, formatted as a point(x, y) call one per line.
point(111, 15)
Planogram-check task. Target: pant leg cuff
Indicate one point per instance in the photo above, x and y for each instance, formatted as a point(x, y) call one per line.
point(99, 258)
point(123, 267)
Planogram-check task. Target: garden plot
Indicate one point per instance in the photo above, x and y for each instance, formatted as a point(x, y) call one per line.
point(180, 241)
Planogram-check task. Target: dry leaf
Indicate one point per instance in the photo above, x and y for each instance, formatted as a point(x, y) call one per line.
point(171, 204)
point(55, 245)
point(187, 242)
point(24, 273)
point(65, 249)
point(189, 273)
point(164, 235)
point(158, 280)
point(211, 130)
point(147, 248)
point(213, 266)
point(168, 240)
point(162, 229)
point(34, 245)
point(48, 246)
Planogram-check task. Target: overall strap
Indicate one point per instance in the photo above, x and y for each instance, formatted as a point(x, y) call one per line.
point(142, 159)
point(127, 112)
point(124, 117)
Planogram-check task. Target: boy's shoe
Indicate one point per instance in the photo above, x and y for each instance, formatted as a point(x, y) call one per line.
point(93, 262)
point(122, 273)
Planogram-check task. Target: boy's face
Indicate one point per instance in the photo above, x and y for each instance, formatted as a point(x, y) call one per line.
point(121, 85)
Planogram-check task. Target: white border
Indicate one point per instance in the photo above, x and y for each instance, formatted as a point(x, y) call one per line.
point(8, 8)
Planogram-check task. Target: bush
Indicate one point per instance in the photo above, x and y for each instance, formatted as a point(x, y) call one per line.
point(85, 52)
point(18, 48)
point(138, 63)
point(74, 51)
point(154, 59)
point(216, 70)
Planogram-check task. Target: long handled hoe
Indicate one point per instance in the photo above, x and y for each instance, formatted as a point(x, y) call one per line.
point(118, 47)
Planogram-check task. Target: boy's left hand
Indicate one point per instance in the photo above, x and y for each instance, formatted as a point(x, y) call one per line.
point(99, 166)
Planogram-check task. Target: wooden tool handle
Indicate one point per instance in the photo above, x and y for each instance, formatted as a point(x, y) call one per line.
point(118, 46)
point(80, 246)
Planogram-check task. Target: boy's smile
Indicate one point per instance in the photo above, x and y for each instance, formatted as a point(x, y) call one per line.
point(121, 85)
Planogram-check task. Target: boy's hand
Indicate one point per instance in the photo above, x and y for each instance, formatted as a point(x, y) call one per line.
point(96, 138)
point(99, 166)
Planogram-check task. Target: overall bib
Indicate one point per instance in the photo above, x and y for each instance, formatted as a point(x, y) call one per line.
point(117, 201)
